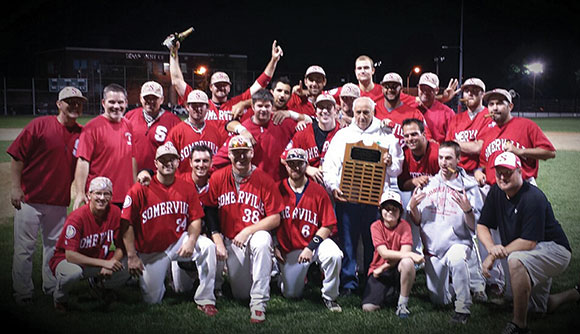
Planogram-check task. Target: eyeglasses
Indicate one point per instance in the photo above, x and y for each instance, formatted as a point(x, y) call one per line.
point(392, 86)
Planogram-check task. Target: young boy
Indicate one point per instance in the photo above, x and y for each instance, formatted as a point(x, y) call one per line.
point(393, 265)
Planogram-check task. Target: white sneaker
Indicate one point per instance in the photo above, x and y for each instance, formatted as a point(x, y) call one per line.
point(402, 311)
point(332, 305)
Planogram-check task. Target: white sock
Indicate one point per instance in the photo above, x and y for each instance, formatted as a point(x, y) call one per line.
point(403, 300)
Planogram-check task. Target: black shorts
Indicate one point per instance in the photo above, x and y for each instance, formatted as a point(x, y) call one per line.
point(384, 290)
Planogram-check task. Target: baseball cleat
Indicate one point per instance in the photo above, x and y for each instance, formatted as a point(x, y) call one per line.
point(209, 310)
point(332, 305)
point(257, 316)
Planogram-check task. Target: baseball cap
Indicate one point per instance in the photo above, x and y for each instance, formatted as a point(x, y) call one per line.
point(507, 160)
point(498, 91)
point(151, 88)
point(166, 148)
point(197, 96)
point(101, 183)
point(391, 196)
point(392, 77)
point(239, 143)
point(429, 79)
point(68, 92)
point(474, 82)
point(324, 97)
point(220, 77)
point(296, 154)
point(350, 89)
point(315, 69)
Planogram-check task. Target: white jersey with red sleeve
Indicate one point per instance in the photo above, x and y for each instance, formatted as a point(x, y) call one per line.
point(47, 150)
point(397, 116)
point(184, 136)
point(82, 234)
point(301, 221)
point(523, 133)
point(464, 129)
point(305, 139)
point(108, 147)
point(147, 137)
point(257, 198)
point(160, 214)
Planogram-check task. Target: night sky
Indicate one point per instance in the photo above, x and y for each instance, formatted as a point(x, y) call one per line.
point(499, 36)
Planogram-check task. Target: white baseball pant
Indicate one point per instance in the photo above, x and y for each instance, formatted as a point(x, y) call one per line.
point(293, 274)
point(437, 271)
point(249, 269)
point(31, 218)
point(152, 281)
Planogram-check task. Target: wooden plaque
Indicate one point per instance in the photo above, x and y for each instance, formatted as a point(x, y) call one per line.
point(363, 173)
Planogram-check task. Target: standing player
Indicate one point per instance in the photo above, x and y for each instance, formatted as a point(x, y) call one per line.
point(348, 93)
point(303, 235)
point(249, 207)
point(302, 100)
point(195, 130)
point(42, 167)
point(161, 223)
point(87, 247)
point(518, 135)
point(393, 261)
point(150, 124)
point(447, 210)
point(106, 148)
point(436, 114)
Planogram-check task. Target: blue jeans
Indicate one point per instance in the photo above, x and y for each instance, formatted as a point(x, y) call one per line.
point(354, 221)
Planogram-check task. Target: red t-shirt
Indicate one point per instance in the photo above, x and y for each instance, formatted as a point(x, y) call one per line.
point(397, 116)
point(427, 165)
point(108, 148)
point(47, 149)
point(524, 133)
point(83, 234)
point(305, 140)
point(301, 221)
point(160, 214)
point(464, 129)
point(438, 118)
point(256, 198)
point(147, 138)
point(184, 136)
point(301, 104)
point(393, 239)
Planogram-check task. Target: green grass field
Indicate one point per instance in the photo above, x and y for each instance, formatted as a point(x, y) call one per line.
point(558, 178)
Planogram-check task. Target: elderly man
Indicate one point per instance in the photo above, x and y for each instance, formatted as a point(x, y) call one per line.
point(354, 219)
point(533, 242)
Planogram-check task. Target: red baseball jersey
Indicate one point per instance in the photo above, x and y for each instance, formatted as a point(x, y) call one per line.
point(305, 140)
point(393, 239)
point(301, 104)
point(201, 192)
point(464, 129)
point(148, 137)
point(523, 133)
point(301, 221)
point(108, 148)
point(184, 136)
point(428, 164)
point(83, 234)
point(47, 150)
point(256, 198)
point(397, 116)
point(437, 118)
point(160, 214)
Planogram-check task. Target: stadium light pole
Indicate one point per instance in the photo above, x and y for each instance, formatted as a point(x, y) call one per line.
point(416, 70)
point(535, 68)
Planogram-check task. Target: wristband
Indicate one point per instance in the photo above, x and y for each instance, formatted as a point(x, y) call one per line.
point(314, 243)
point(468, 211)
point(264, 80)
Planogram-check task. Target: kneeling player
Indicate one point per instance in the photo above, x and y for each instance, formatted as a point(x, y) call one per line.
point(154, 219)
point(393, 265)
point(307, 220)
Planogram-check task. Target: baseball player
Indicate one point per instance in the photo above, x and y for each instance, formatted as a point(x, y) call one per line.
point(42, 168)
point(437, 115)
point(348, 93)
point(195, 130)
point(249, 207)
point(303, 235)
point(161, 223)
point(393, 264)
point(447, 209)
point(303, 98)
point(106, 148)
point(90, 245)
point(150, 124)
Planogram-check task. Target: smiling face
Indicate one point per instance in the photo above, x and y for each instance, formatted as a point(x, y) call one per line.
point(427, 95)
point(262, 111)
point(326, 113)
point(390, 213)
point(414, 138)
point(500, 109)
point(71, 108)
point(220, 91)
point(200, 163)
point(241, 160)
point(99, 200)
point(114, 104)
point(364, 70)
point(391, 91)
point(151, 104)
point(315, 83)
point(197, 112)
point(508, 180)
point(167, 164)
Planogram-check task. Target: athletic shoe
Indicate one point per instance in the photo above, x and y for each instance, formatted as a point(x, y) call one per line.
point(480, 296)
point(512, 328)
point(257, 316)
point(402, 311)
point(332, 305)
point(459, 318)
point(209, 310)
